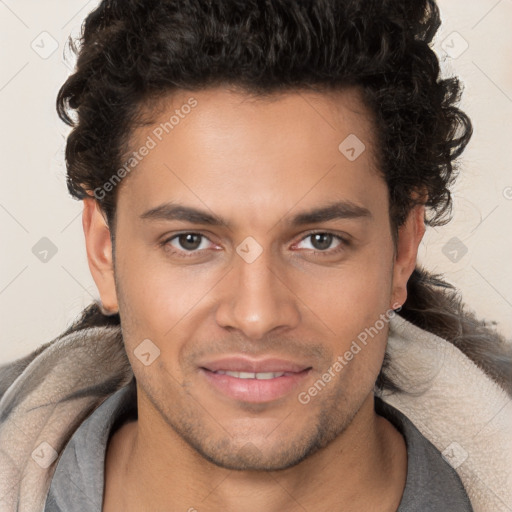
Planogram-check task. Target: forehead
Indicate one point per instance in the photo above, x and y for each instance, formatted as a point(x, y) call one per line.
point(306, 115)
point(266, 152)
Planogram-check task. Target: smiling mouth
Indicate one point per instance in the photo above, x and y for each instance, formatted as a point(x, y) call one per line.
point(254, 387)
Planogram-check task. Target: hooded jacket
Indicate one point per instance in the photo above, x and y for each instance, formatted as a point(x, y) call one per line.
point(448, 372)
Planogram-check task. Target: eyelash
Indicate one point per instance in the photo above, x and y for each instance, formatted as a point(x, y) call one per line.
point(344, 243)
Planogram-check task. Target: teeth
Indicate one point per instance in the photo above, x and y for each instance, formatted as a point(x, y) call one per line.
point(249, 375)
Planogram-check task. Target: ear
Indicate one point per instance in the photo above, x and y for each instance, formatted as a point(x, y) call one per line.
point(99, 254)
point(409, 238)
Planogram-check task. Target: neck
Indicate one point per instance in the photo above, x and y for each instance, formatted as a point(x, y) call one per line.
point(149, 466)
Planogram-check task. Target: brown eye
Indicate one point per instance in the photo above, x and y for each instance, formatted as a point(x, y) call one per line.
point(192, 243)
point(322, 242)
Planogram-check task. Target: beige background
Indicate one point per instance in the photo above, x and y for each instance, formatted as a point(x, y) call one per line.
point(39, 299)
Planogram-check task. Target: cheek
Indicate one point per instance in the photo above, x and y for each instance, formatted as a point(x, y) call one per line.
point(352, 309)
point(161, 301)
point(353, 296)
point(157, 295)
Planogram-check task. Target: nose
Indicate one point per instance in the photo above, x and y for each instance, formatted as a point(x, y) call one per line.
point(256, 298)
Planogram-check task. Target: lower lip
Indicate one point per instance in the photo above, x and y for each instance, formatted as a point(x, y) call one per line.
point(255, 390)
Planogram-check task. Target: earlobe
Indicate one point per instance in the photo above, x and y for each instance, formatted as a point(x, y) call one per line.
point(410, 235)
point(99, 254)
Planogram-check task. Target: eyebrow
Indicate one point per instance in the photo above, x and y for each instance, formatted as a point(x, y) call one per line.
point(332, 211)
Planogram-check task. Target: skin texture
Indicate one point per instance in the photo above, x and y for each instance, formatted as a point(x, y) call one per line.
point(255, 163)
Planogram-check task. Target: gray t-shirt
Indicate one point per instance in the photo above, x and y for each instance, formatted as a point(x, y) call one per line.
point(432, 485)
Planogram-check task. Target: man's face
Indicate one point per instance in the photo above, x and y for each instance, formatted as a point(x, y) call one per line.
point(259, 287)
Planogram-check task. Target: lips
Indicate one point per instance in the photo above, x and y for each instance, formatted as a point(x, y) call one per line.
point(256, 381)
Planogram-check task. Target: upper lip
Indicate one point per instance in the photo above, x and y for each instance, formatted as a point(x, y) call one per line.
point(245, 364)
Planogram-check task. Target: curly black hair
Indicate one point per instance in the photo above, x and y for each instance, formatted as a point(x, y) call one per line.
point(134, 51)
